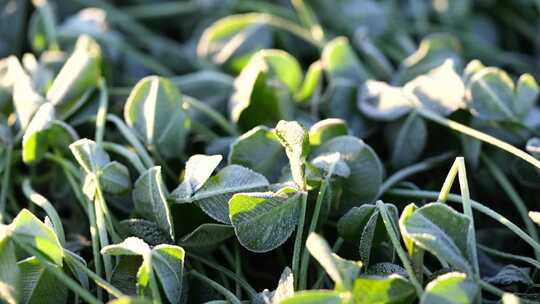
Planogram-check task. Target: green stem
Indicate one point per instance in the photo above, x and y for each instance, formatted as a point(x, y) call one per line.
point(5, 182)
point(101, 117)
point(422, 166)
point(313, 225)
point(48, 20)
point(448, 182)
point(505, 184)
point(222, 290)
point(299, 239)
point(95, 242)
point(161, 9)
point(401, 253)
point(132, 139)
point(252, 292)
point(61, 276)
point(132, 157)
point(509, 256)
point(476, 205)
point(115, 292)
point(43, 203)
point(213, 114)
point(237, 269)
point(103, 236)
point(480, 136)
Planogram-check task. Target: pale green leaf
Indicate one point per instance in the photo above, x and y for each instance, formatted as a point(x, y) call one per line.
point(315, 297)
point(207, 236)
point(168, 265)
point(38, 285)
point(393, 289)
point(340, 61)
point(450, 288)
point(114, 178)
point(326, 129)
point(381, 101)
point(198, 169)
point(294, 138)
point(491, 95)
point(129, 246)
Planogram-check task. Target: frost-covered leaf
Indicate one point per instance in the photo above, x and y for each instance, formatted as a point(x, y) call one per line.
point(442, 231)
point(315, 297)
point(78, 77)
point(381, 101)
point(150, 199)
point(90, 156)
point(207, 236)
point(285, 287)
point(526, 94)
point(294, 138)
point(366, 170)
point(259, 150)
point(39, 285)
point(263, 221)
point(510, 275)
point(154, 109)
point(148, 231)
point(129, 246)
point(407, 139)
point(214, 196)
point(114, 178)
point(10, 290)
point(450, 288)
point(168, 265)
point(27, 229)
point(378, 289)
point(332, 163)
point(199, 168)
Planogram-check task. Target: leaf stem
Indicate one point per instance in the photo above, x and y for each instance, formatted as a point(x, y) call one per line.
point(499, 292)
point(422, 166)
point(6, 177)
point(505, 184)
point(132, 139)
point(213, 114)
point(476, 205)
point(480, 136)
point(401, 253)
point(506, 255)
point(132, 157)
point(101, 117)
point(226, 293)
point(299, 238)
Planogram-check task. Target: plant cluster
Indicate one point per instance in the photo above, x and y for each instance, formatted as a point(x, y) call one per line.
point(269, 152)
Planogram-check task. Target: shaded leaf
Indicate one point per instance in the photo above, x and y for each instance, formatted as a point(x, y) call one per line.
point(340, 61)
point(199, 168)
point(207, 235)
point(114, 178)
point(407, 139)
point(326, 129)
point(38, 285)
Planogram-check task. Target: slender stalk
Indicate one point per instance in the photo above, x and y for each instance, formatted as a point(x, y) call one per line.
point(94, 238)
point(237, 269)
point(509, 256)
point(222, 290)
point(115, 292)
point(313, 225)
point(61, 276)
point(132, 157)
point(42, 202)
point(299, 238)
point(476, 205)
point(422, 166)
point(290, 27)
point(252, 292)
point(448, 182)
point(401, 253)
point(6, 177)
point(132, 139)
point(211, 113)
point(480, 136)
point(101, 117)
point(103, 237)
point(505, 184)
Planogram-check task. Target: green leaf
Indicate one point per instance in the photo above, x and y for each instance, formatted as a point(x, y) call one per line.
point(10, 290)
point(326, 129)
point(214, 196)
point(433, 51)
point(533, 147)
point(90, 156)
point(26, 97)
point(38, 285)
point(342, 272)
point(340, 61)
point(148, 231)
point(526, 94)
point(492, 95)
point(374, 289)
point(381, 101)
point(312, 83)
point(315, 297)
point(285, 287)
point(294, 138)
point(150, 199)
point(199, 168)
point(510, 275)
point(44, 132)
point(234, 39)
point(154, 109)
point(207, 236)
point(78, 77)
point(263, 221)
point(27, 229)
point(442, 231)
point(114, 178)
point(332, 164)
point(168, 265)
point(450, 288)
point(129, 246)
point(440, 90)
point(259, 150)
point(366, 169)
point(129, 300)
point(264, 89)
point(407, 140)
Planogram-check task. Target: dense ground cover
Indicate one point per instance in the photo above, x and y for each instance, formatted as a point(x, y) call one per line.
point(352, 151)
